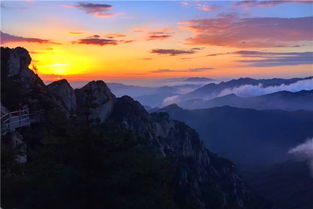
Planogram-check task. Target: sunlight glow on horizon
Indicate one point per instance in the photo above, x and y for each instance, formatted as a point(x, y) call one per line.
point(74, 43)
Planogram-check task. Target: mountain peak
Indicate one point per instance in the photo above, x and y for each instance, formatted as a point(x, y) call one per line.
point(172, 107)
point(64, 93)
point(61, 82)
point(97, 99)
point(16, 62)
point(197, 79)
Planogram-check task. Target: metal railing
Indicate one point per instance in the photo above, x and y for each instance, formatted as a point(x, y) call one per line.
point(16, 119)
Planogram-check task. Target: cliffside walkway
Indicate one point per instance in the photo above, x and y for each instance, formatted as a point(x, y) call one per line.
point(16, 119)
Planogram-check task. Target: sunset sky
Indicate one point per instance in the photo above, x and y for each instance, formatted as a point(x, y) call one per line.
point(142, 40)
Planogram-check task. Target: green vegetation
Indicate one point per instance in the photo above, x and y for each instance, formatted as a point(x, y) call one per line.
point(86, 167)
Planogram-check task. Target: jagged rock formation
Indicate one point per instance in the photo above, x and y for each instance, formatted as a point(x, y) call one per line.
point(200, 174)
point(20, 85)
point(64, 93)
point(18, 61)
point(14, 64)
point(202, 179)
point(96, 100)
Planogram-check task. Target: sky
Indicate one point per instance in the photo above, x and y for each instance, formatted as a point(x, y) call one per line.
point(141, 41)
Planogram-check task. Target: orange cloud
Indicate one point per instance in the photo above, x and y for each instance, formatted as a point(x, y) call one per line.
point(147, 58)
point(75, 33)
point(206, 7)
point(104, 15)
point(158, 35)
point(128, 41)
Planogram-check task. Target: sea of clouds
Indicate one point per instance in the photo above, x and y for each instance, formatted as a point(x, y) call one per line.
point(304, 151)
point(249, 91)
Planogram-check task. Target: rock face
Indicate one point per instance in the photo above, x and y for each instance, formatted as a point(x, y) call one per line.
point(210, 181)
point(19, 84)
point(16, 66)
point(64, 93)
point(95, 101)
point(202, 180)
point(271, 135)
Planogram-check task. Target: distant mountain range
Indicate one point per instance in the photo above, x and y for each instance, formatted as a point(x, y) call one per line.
point(198, 79)
point(243, 87)
point(213, 89)
point(249, 137)
point(284, 100)
point(151, 96)
point(93, 150)
point(193, 93)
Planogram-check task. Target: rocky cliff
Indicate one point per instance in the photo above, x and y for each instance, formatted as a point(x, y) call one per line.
point(20, 85)
point(64, 93)
point(16, 62)
point(202, 179)
point(95, 100)
point(210, 181)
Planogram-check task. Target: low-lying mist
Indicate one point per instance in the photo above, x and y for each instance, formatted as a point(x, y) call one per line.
point(304, 151)
point(245, 91)
point(257, 90)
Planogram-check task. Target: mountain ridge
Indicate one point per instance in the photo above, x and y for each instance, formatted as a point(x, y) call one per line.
point(284, 100)
point(199, 173)
point(247, 87)
point(268, 135)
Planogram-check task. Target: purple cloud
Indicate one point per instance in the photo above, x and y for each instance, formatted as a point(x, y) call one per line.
point(250, 32)
point(98, 10)
point(6, 38)
point(269, 59)
point(96, 40)
point(268, 3)
point(174, 52)
point(158, 35)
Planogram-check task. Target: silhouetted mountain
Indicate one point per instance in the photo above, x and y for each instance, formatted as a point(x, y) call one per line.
point(188, 153)
point(247, 136)
point(284, 100)
point(64, 93)
point(198, 79)
point(246, 87)
point(131, 90)
point(150, 96)
point(214, 89)
point(113, 154)
point(27, 87)
point(288, 185)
